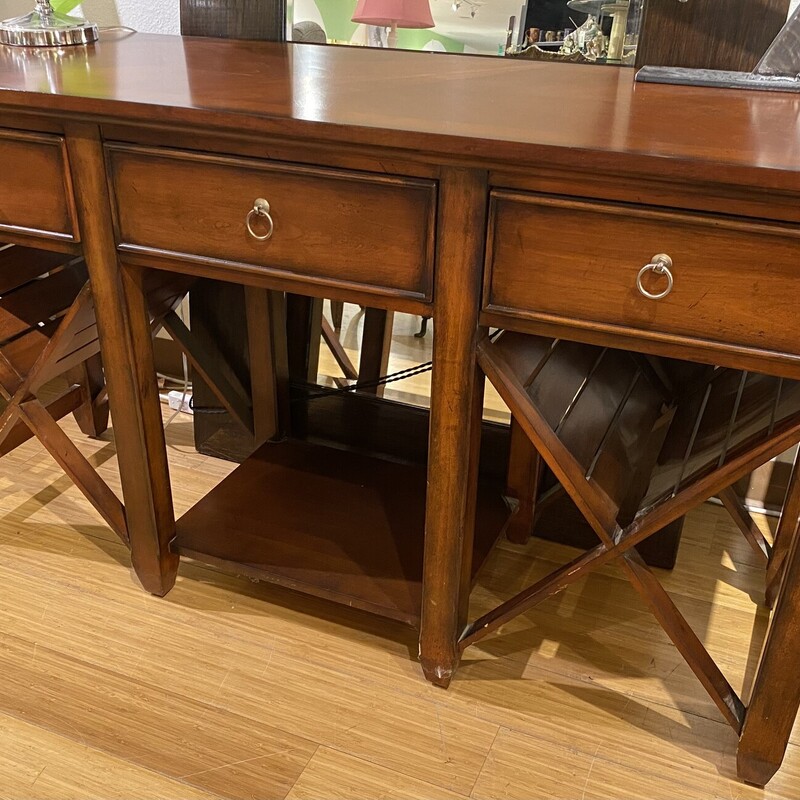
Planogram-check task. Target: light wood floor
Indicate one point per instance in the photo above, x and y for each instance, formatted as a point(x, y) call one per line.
point(232, 689)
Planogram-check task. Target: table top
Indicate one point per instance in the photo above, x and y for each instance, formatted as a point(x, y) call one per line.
point(482, 109)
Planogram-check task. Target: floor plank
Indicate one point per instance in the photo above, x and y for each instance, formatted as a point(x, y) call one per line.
point(334, 775)
point(36, 764)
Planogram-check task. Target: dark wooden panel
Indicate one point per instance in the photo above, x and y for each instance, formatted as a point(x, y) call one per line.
point(562, 522)
point(234, 19)
point(368, 424)
point(18, 265)
point(709, 34)
point(397, 431)
point(766, 487)
point(218, 314)
point(39, 301)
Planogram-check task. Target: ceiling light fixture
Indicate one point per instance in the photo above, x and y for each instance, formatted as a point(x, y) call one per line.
point(470, 6)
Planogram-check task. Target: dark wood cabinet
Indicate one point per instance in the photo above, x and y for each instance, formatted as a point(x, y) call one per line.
point(234, 19)
point(708, 34)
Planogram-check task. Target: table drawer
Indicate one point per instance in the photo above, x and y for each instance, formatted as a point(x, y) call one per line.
point(577, 263)
point(334, 227)
point(35, 189)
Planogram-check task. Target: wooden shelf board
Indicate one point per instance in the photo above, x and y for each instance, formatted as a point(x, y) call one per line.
point(340, 525)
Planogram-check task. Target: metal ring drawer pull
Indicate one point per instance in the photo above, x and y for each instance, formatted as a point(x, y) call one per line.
point(260, 209)
point(660, 265)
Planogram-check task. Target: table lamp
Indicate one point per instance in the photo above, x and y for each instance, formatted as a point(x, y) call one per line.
point(46, 27)
point(394, 14)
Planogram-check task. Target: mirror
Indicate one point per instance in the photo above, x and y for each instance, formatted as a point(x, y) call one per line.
point(584, 31)
point(704, 34)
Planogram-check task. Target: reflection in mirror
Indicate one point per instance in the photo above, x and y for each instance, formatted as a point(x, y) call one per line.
point(583, 31)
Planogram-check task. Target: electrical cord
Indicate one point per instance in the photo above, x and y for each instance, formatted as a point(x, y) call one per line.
point(410, 372)
point(183, 395)
point(206, 409)
point(116, 29)
point(401, 375)
point(178, 410)
point(420, 369)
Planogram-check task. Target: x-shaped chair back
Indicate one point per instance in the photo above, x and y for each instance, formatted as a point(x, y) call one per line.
point(637, 442)
point(47, 330)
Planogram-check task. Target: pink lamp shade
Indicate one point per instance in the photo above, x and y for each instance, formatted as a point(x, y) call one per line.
point(394, 13)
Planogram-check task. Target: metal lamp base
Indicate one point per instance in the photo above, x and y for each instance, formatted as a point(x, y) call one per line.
point(47, 30)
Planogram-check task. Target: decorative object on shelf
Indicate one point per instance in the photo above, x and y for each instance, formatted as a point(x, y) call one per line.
point(589, 42)
point(582, 38)
point(532, 37)
point(585, 45)
point(778, 70)
point(47, 27)
point(618, 11)
point(539, 54)
point(394, 14)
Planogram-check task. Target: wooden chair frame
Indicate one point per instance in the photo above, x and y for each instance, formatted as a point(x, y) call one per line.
point(48, 329)
point(618, 542)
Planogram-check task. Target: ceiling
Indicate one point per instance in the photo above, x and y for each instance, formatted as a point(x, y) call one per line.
point(486, 31)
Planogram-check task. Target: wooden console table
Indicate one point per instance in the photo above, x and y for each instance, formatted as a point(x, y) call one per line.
point(391, 179)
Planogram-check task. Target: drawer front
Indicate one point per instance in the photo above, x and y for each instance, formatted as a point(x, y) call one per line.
point(35, 191)
point(576, 263)
point(329, 226)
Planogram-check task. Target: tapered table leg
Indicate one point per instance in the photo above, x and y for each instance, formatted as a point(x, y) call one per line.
point(522, 484)
point(776, 691)
point(92, 414)
point(126, 342)
point(452, 479)
point(787, 530)
point(376, 344)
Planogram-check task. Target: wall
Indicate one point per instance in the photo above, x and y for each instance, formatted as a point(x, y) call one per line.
point(151, 16)
point(336, 18)
point(416, 40)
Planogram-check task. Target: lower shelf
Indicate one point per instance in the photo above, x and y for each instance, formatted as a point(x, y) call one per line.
point(340, 525)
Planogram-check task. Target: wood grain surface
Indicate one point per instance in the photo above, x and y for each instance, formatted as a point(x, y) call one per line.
point(328, 224)
point(562, 260)
point(464, 109)
point(36, 187)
